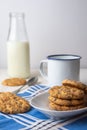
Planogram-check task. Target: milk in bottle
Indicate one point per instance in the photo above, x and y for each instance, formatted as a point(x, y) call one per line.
point(18, 51)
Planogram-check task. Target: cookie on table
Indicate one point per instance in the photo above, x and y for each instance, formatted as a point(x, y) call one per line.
point(13, 104)
point(14, 82)
point(64, 102)
point(66, 92)
point(73, 83)
point(54, 106)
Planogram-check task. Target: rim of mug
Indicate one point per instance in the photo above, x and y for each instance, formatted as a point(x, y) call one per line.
point(74, 57)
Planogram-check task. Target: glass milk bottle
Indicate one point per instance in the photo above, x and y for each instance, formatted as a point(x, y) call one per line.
point(18, 53)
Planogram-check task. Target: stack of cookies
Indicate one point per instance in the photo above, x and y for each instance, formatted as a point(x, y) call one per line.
point(69, 96)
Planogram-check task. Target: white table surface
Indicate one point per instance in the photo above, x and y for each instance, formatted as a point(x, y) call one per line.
point(41, 80)
point(4, 75)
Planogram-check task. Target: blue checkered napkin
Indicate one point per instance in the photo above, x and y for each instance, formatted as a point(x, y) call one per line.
point(35, 120)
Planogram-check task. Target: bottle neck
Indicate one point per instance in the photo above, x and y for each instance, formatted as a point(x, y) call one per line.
point(17, 29)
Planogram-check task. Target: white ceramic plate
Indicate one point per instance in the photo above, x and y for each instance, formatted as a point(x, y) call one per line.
point(40, 102)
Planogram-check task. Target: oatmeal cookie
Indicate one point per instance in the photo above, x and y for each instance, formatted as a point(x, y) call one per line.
point(64, 102)
point(54, 106)
point(54, 91)
point(66, 92)
point(73, 83)
point(14, 82)
point(13, 104)
point(86, 90)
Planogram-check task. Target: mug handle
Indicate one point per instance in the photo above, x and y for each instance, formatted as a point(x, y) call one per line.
point(42, 68)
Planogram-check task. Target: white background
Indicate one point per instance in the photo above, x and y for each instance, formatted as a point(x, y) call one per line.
point(53, 26)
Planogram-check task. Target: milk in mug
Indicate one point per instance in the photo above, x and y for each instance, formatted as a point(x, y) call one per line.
point(18, 59)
